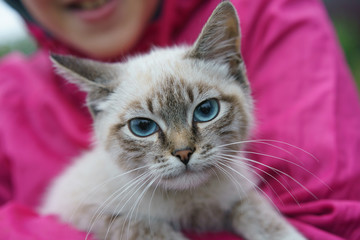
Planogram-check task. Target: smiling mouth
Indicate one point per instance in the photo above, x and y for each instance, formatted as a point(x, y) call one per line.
point(87, 5)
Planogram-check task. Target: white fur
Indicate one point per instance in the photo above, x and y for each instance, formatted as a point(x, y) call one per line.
point(101, 194)
point(83, 193)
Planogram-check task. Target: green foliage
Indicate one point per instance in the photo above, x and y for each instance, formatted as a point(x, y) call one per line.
point(349, 37)
point(25, 45)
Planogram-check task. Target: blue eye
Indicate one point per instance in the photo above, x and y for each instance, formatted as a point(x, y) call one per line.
point(142, 127)
point(206, 111)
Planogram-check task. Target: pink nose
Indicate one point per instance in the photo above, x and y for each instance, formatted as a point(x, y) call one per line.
point(183, 154)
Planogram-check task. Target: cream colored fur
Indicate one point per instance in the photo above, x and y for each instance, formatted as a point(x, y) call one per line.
point(105, 193)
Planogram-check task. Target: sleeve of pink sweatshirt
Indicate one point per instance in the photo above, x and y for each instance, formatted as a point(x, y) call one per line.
point(305, 99)
point(36, 138)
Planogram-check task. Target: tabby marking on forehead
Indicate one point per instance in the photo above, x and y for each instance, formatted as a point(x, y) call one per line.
point(173, 101)
point(149, 104)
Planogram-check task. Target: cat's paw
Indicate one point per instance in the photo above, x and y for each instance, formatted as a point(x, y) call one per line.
point(255, 219)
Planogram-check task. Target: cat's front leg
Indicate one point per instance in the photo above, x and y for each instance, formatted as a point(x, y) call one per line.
point(140, 230)
point(255, 219)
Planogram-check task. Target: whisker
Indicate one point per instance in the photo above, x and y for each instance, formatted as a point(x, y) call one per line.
point(120, 201)
point(282, 159)
point(274, 169)
point(269, 144)
point(239, 163)
point(231, 178)
point(261, 154)
point(265, 141)
point(97, 188)
point(143, 180)
point(255, 185)
point(282, 149)
point(138, 201)
point(217, 176)
point(101, 209)
point(151, 198)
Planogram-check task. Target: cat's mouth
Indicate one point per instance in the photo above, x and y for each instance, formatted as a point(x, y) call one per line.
point(186, 179)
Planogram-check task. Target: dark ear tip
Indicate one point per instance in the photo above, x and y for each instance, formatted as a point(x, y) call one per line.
point(61, 59)
point(225, 8)
point(55, 57)
point(225, 5)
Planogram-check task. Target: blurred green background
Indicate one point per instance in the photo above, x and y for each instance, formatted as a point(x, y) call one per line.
point(345, 15)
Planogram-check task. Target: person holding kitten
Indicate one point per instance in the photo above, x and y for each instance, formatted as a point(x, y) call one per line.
point(303, 92)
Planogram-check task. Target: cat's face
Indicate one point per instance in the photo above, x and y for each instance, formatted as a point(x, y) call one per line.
point(170, 113)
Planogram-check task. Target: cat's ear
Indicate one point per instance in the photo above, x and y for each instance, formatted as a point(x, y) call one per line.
point(96, 78)
point(219, 41)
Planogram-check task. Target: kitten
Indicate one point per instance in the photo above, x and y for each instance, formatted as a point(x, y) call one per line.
point(165, 127)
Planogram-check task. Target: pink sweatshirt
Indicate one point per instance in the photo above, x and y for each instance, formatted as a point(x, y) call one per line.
point(304, 94)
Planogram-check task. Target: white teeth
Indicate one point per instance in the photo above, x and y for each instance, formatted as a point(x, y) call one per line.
point(89, 5)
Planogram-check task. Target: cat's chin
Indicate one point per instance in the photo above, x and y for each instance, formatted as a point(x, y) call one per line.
point(186, 180)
